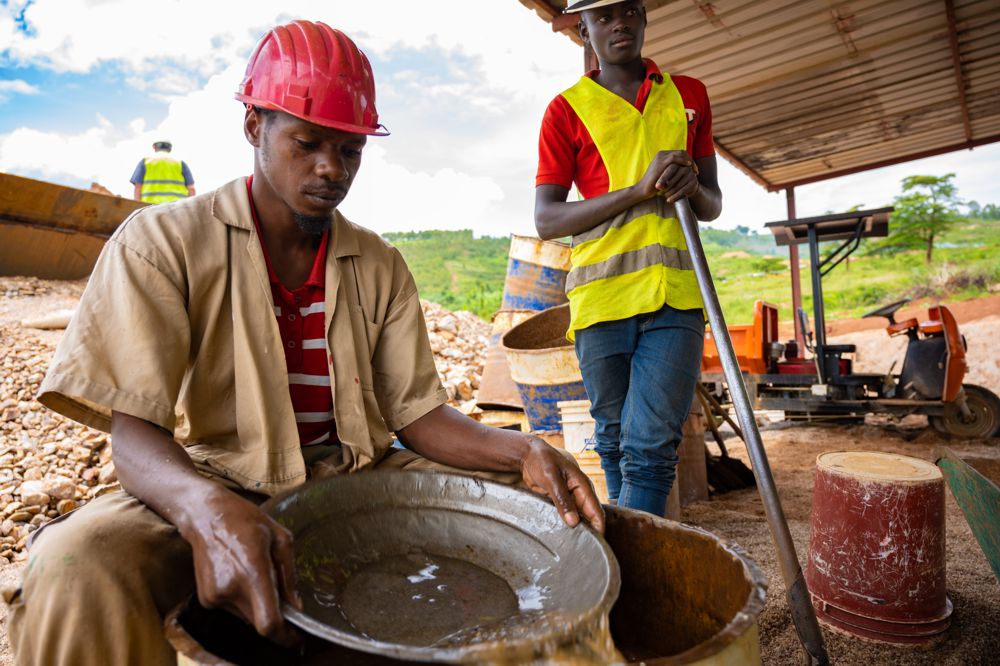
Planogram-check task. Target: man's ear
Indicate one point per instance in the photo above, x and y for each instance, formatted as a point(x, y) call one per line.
point(253, 126)
point(582, 28)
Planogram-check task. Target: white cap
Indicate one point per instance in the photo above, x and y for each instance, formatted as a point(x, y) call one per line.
point(581, 5)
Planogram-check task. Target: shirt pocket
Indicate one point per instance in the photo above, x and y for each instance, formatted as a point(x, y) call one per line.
point(365, 352)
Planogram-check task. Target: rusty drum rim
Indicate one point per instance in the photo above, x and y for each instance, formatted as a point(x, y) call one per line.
point(744, 619)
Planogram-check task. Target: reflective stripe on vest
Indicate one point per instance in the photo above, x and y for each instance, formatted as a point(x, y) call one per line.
point(163, 181)
point(637, 261)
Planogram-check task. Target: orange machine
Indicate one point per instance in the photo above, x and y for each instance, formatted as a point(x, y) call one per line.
point(930, 382)
point(751, 342)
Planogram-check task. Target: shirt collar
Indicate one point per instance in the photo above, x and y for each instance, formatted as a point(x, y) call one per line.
point(652, 71)
point(317, 276)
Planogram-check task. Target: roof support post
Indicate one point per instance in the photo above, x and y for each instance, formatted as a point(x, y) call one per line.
point(793, 267)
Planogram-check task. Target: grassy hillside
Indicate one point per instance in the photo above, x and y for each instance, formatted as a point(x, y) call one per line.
point(456, 270)
point(465, 273)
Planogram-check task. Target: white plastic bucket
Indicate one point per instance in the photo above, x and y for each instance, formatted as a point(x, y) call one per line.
point(577, 425)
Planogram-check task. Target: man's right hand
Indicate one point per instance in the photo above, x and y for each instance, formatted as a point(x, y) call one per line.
point(671, 173)
point(243, 559)
point(244, 563)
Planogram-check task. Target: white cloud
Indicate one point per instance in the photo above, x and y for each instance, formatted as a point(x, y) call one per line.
point(18, 86)
point(464, 110)
point(9, 87)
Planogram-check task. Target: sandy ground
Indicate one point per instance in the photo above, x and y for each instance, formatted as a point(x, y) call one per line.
point(974, 637)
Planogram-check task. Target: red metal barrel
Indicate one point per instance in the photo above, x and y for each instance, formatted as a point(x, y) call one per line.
point(877, 549)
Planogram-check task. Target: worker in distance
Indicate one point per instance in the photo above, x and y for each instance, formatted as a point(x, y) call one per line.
point(235, 344)
point(634, 141)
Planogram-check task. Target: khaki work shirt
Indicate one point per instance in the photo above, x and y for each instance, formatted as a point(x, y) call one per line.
point(177, 327)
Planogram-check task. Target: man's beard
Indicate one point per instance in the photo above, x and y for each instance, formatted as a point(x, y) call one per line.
point(314, 225)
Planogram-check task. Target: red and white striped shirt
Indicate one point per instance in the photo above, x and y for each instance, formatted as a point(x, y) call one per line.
point(302, 322)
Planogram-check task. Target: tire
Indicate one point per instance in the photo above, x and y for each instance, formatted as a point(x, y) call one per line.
point(985, 408)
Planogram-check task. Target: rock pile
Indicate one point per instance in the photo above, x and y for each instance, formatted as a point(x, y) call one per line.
point(49, 465)
point(458, 340)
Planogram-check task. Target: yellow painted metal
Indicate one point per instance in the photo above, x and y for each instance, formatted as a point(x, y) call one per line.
point(538, 352)
point(52, 231)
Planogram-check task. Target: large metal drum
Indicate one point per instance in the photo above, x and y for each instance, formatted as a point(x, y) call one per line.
point(536, 274)
point(877, 549)
point(686, 598)
point(496, 388)
point(544, 367)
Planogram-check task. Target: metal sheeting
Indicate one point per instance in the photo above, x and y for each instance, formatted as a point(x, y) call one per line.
point(807, 90)
point(54, 232)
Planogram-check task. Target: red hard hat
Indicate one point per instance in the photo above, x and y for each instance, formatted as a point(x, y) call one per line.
point(315, 73)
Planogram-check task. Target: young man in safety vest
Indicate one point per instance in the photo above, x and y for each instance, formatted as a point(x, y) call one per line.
point(635, 141)
point(235, 344)
point(161, 177)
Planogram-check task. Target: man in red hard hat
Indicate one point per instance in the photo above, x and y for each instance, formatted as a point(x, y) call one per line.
point(235, 344)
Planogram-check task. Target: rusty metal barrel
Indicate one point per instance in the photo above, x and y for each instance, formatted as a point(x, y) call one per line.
point(877, 548)
point(496, 388)
point(536, 274)
point(686, 598)
point(543, 366)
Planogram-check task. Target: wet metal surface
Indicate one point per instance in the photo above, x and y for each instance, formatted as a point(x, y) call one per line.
point(686, 598)
point(347, 525)
point(415, 598)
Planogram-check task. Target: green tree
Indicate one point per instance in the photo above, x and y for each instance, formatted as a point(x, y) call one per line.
point(927, 207)
point(990, 212)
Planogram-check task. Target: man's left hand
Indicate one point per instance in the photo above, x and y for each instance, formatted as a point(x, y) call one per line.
point(547, 472)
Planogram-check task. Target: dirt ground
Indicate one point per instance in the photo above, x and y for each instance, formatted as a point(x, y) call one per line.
point(974, 637)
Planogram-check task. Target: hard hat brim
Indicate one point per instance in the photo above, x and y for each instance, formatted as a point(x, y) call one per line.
point(381, 130)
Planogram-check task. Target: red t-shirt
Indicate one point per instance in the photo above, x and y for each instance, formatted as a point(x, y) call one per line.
point(302, 322)
point(567, 154)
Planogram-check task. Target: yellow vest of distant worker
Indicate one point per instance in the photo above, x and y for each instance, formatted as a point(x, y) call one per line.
point(164, 180)
point(637, 261)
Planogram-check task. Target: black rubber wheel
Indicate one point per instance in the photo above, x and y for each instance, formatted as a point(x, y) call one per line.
point(985, 421)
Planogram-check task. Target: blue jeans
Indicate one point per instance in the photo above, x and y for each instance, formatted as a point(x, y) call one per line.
point(640, 374)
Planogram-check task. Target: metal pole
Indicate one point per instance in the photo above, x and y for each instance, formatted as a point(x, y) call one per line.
point(803, 615)
point(793, 265)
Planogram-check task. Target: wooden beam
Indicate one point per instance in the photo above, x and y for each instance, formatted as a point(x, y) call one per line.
point(884, 163)
point(742, 166)
point(956, 59)
point(563, 22)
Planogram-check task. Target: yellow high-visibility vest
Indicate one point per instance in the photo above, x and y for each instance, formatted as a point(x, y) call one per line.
point(163, 181)
point(637, 261)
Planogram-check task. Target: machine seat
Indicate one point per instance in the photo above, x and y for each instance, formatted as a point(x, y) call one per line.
point(901, 327)
point(931, 326)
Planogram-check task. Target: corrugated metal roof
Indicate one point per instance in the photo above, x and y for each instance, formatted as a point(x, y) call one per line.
point(807, 90)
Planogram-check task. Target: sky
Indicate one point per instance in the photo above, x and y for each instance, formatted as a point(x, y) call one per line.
point(86, 86)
